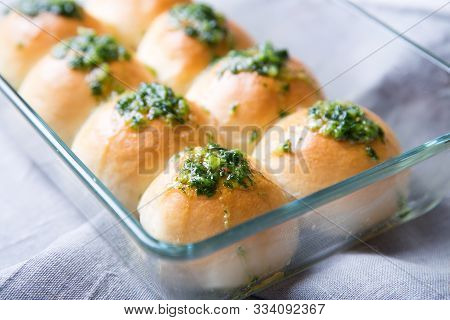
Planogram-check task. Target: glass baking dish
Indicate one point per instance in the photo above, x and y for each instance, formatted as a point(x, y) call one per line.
point(304, 231)
point(434, 14)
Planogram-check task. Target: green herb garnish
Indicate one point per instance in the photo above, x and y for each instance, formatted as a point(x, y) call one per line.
point(204, 169)
point(92, 53)
point(371, 153)
point(254, 135)
point(283, 113)
point(152, 101)
point(343, 121)
point(200, 21)
point(403, 209)
point(65, 8)
point(152, 71)
point(285, 87)
point(88, 50)
point(234, 108)
point(286, 147)
point(263, 59)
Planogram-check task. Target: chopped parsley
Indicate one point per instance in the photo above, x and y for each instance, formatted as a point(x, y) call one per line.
point(65, 8)
point(285, 87)
point(254, 135)
point(152, 101)
point(263, 59)
point(204, 169)
point(283, 113)
point(403, 209)
point(152, 71)
point(371, 153)
point(234, 108)
point(286, 147)
point(344, 122)
point(87, 50)
point(91, 52)
point(200, 21)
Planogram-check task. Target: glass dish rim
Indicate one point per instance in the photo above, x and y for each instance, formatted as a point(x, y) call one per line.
point(270, 219)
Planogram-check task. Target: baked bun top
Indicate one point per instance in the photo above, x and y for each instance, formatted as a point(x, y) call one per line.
point(183, 41)
point(76, 76)
point(95, 54)
point(206, 191)
point(129, 19)
point(127, 141)
point(103, 63)
point(325, 144)
point(154, 101)
point(253, 88)
point(31, 28)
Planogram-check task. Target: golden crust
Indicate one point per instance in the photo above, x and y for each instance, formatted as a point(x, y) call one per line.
point(178, 58)
point(24, 40)
point(171, 215)
point(62, 97)
point(259, 99)
point(129, 19)
point(180, 217)
point(127, 160)
point(317, 161)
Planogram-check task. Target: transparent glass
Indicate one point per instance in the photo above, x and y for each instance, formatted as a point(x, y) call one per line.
point(281, 243)
point(432, 14)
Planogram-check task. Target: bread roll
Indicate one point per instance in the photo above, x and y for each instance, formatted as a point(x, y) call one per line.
point(207, 191)
point(127, 142)
point(129, 19)
point(67, 84)
point(184, 40)
point(317, 147)
point(29, 30)
point(247, 90)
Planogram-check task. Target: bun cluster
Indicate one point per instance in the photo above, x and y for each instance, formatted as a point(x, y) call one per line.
point(30, 29)
point(164, 100)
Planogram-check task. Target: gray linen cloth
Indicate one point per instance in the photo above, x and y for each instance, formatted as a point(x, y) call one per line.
point(41, 233)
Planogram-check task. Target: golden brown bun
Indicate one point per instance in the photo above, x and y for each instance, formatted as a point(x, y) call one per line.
point(62, 97)
point(171, 215)
point(259, 99)
point(127, 160)
point(175, 216)
point(23, 42)
point(128, 19)
point(319, 161)
point(178, 58)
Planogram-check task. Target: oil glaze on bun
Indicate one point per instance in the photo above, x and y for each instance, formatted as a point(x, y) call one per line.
point(207, 191)
point(252, 88)
point(73, 78)
point(317, 147)
point(184, 40)
point(128, 19)
point(30, 29)
point(127, 142)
